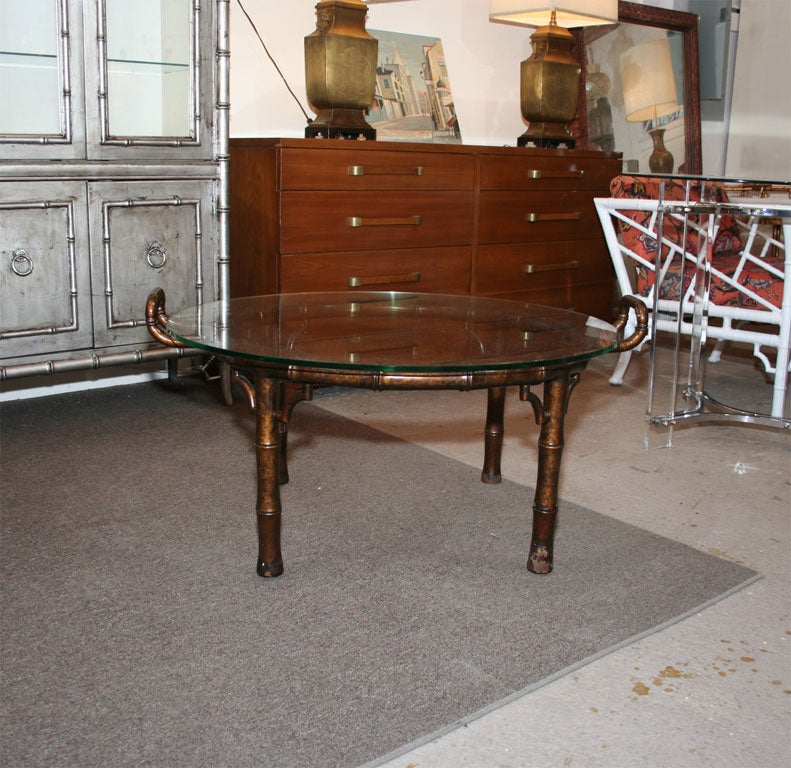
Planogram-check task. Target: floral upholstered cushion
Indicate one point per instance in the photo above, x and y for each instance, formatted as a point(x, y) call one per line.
point(725, 252)
point(647, 188)
point(752, 277)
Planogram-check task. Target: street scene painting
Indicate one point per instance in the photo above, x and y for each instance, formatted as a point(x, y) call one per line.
point(413, 100)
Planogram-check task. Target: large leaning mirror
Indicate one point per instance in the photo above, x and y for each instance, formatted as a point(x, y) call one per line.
point(640, 89)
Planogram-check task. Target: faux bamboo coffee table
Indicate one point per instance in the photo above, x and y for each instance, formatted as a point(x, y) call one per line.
point(281, 345)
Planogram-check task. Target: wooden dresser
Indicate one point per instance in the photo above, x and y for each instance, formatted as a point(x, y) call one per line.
point(325, 215)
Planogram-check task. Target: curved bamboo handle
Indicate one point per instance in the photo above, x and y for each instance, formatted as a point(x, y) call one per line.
point(640, 332)
point(156, 319)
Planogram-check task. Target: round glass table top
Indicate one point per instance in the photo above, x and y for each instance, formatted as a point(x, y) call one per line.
point(390, 331)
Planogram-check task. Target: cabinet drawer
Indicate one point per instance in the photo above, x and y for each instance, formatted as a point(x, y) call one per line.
point(45, 290)
point(314, 222)
point(513, 172)
point(431, 270)
point(508, 217)
point(561, 274)
point(356, 169)
point(144, 236)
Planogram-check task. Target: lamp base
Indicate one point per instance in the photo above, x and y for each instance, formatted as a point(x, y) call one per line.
point(661, 160)
point(549, 89)
point(340, 124)
point(340, 71)
point(551, 135)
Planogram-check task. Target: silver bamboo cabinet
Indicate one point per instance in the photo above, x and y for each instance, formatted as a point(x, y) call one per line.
point(113, 174)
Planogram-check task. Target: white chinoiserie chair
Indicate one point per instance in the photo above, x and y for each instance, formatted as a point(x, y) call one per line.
point(722, 269)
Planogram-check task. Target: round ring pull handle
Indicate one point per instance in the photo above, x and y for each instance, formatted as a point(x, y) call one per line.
point(21, 263)
point(156, 256)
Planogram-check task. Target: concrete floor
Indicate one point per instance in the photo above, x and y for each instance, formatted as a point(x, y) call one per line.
point(712, 690)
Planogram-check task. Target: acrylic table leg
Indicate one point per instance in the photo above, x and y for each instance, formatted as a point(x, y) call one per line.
point(550, 450)
point(493, 435)
point(267, 446)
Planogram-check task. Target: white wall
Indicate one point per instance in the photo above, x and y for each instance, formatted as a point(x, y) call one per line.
point(759, 141)
point(483, 63)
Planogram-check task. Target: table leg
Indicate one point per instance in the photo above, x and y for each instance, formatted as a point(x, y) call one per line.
point(493, 435)
point(550, 450)
point(267, 446)
point(290, 395)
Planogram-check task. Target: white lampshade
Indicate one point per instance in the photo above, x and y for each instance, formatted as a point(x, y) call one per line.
point(569, 13)
point(649, 87)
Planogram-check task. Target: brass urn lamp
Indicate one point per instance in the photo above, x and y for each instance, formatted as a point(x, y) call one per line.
point(340, 71)
point(550, 77)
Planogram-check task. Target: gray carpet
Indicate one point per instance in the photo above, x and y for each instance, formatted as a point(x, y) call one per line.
point(136, 633)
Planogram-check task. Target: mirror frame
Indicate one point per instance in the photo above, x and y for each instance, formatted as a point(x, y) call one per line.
point(678, 21)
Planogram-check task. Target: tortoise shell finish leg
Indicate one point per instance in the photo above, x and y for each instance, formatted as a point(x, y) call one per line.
point(550, 450)
point(493, 435)
point(290, 395)
point(267, 447)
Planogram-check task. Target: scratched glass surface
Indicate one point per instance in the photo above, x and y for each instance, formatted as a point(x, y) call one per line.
point(391, 331)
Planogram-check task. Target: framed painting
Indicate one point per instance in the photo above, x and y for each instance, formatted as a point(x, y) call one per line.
point(413, 99)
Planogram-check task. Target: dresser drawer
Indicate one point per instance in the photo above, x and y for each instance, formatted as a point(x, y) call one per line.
point(356, 169)
point(319, 214)
point(430, 270)
point(314, 222)
point(512, 217)
point(527, 173)
point(568, 275)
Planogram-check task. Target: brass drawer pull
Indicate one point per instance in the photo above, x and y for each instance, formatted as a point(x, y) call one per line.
point(359, 221)
point(359, 282)
point(571, 216)
point(537, 173)
point(361, 170)
point(531, 269)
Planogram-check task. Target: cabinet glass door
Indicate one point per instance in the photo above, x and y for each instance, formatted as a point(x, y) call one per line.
point(150, 79)
point(29, 82)
point(36, 72)
point(148, 60)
